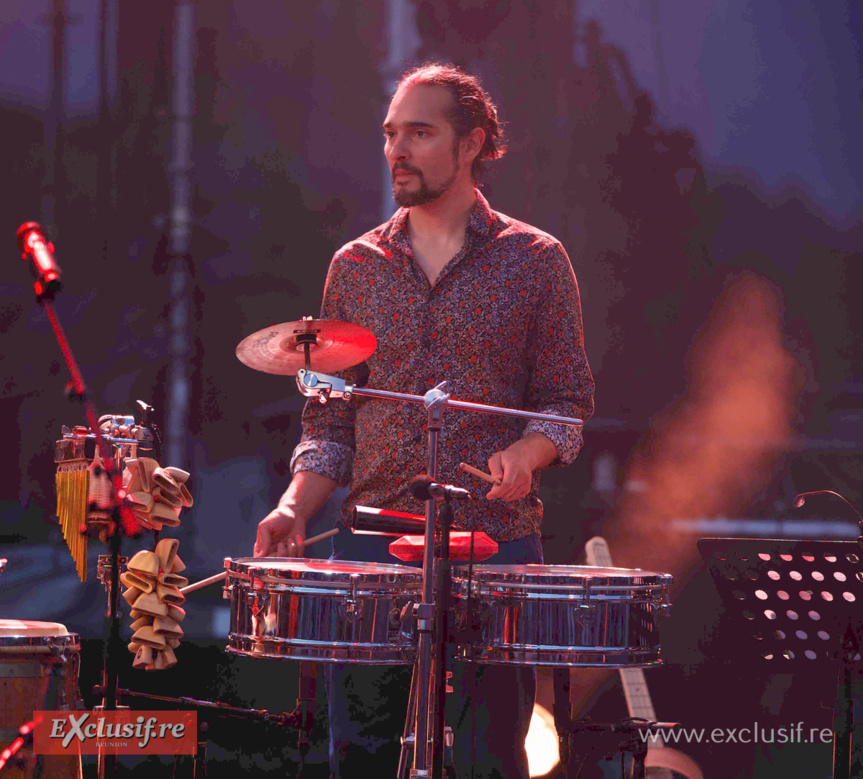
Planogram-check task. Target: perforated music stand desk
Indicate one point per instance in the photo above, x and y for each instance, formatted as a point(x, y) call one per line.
point(802, 604)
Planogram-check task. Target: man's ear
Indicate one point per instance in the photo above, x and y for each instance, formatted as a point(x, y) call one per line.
point(472, 143)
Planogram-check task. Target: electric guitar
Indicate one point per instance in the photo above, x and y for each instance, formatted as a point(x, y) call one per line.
point(662, 761)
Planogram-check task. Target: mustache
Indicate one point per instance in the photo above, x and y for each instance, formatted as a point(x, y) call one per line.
point(405, 169)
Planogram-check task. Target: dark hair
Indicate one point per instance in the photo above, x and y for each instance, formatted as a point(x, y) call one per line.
point(472, 107)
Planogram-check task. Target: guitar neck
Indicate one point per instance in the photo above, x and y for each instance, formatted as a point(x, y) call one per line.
point(663, 762)
point(638, 701)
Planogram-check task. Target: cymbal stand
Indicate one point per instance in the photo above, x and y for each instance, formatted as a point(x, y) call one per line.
point(325, 387)
point(435, 402)
point(429, 713)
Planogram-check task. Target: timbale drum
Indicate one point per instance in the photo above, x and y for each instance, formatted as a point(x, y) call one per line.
point(322, 610)
point(559, 615)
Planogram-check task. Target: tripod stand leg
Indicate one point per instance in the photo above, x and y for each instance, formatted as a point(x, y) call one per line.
point(200, 768)
point(562, 712)
point(843, 725)
point(638, 768)
point(408, 733)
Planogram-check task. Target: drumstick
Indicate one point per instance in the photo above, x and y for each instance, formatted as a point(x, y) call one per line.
point(479, 474)
point(321, 536)
point(219, 576)
point(204, 582)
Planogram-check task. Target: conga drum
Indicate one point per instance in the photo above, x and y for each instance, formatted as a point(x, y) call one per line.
point(39, 664)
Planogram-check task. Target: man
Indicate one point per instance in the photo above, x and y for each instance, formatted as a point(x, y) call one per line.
point(453, 291)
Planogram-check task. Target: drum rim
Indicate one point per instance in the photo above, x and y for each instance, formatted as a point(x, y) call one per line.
point(556, 581)
point(562, 593)
point(245, 564)
point(559, 657)
point(366, 580)
point(66, 641)
point(573, 571)
point(277, 648)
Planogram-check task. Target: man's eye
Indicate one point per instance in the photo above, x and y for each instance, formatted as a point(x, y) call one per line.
point(420, 133)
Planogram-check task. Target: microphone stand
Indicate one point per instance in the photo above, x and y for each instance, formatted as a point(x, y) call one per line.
point(324, 387)
point(444, 590)
point(46, 288)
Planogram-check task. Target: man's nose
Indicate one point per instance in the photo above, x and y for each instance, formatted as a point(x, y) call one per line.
point(398, 149)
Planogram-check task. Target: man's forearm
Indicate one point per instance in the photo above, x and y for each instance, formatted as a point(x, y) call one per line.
point(307, 493)
point(536, 449)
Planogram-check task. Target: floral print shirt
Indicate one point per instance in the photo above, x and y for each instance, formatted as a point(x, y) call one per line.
point(501, 324)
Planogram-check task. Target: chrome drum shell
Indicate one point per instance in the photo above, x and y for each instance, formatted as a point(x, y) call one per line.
point(560, 615)
point(332, 611)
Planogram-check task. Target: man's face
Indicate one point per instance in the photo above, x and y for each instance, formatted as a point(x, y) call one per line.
point(421, 146)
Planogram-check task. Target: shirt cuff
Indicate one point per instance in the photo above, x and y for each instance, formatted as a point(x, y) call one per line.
point(326, 458)
point(567, 438)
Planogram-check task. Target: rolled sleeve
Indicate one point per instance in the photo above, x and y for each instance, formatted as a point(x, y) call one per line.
point(327, 458)
point(567, 439)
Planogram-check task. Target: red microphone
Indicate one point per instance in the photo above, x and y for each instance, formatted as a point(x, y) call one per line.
point(31, 241)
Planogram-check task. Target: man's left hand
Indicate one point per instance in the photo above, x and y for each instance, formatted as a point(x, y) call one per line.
point(514, 466)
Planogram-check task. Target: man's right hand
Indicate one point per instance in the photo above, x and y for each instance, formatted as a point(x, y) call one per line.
point(280, 534)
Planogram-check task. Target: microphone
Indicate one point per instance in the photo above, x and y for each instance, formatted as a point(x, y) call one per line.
point(380, 522)
point(423, 487)
point(31, 240)
point(801, 499)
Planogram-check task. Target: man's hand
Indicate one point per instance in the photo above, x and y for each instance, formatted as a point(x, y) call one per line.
point(514, 466)
point(280, 534)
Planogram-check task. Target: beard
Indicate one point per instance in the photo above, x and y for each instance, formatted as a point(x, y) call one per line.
point(423, 194)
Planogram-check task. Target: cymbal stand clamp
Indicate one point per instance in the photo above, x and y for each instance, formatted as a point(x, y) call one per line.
point(320, 385)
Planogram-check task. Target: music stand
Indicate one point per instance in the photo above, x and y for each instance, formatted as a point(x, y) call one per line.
point(800, 602)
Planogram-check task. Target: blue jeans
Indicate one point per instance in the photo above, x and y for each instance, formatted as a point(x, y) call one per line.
point(489, 709)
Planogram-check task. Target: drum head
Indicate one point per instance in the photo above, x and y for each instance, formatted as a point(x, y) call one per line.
point(311, 565)
point(18, 627)
point(558, 571)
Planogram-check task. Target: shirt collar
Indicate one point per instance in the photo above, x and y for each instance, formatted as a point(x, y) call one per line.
point(482, 221)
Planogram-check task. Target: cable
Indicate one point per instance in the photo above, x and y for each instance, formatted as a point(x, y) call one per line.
point(26, 732)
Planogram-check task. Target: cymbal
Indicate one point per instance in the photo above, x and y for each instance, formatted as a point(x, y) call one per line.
point(333, 346)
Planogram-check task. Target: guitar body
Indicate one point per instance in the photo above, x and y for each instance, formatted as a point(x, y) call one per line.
point(662, 762)
point(665, 762)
